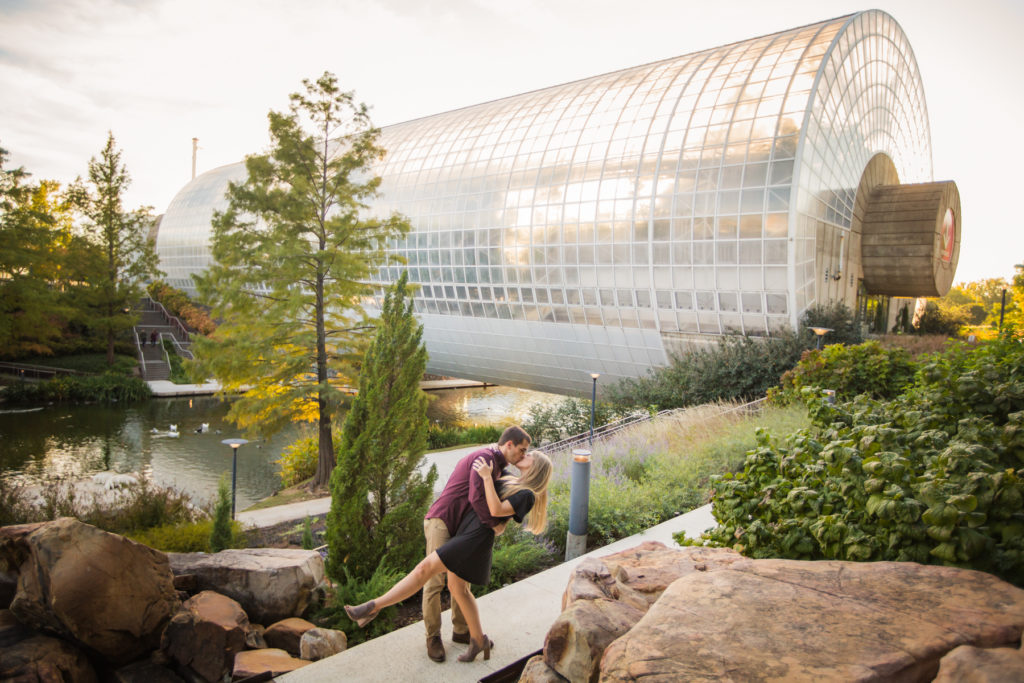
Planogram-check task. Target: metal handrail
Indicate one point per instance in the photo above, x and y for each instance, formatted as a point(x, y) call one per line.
point(611, 428)
point(39, 371)
point(171, 319)
point(138, 348)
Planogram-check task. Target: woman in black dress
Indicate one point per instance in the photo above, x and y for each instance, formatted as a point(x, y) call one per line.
point(466, 556)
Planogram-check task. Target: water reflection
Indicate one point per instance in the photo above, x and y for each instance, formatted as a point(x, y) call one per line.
point(37, 446)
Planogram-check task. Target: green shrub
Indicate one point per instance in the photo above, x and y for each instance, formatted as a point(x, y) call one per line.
point(220, 532)
point(108, 388)
point(736, 368)
point(188, 537)
point(298, 460)
point(441, 435)
point(933, 476)
point(355, 592)
point(517, 553)
point(178, 373)
point(93, 363)
point(867, 368)
point(568, 417)
point(307, 533)
point(843, 324)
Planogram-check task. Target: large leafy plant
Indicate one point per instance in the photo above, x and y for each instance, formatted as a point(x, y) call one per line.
point(933, 476)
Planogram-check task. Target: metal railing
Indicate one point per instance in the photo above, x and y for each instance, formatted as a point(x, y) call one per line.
point(28, 370)
point(612, 428)
point(142, 356)
point(172, 321)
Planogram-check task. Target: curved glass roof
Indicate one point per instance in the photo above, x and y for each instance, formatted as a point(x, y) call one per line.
point(591, 221)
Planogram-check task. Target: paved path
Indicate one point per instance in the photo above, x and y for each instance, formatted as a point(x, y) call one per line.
point(445, 462)
point(516, 617)
point(165, 387)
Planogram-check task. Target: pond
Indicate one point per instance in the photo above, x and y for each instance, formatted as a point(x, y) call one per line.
point(74, 442)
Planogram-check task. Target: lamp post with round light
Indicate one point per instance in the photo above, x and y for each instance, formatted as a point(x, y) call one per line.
point(234, 443)
point(820, 332)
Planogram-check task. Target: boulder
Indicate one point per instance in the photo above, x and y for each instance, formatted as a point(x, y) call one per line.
point(320, 643)
point(967, 664)
point(254, 638)
point(828, 620)
point(8, 587)
point(11, 630)
point(270, 584)
point(145, 671)
point(606, 596)
point(286, 634)
point(270, 661)
point(206, 634)
point(575, 643)
point(103, 591)
point(536, 671)
point(46, 660)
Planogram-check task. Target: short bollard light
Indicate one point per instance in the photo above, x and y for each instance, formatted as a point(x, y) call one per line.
point(234, 443)
point(830, 395)
point(579, 505)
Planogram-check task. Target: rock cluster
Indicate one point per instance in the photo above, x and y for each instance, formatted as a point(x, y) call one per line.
point(81, 604)
point(700, 614)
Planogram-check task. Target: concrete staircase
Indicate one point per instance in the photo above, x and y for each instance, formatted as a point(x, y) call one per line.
point(156, 324)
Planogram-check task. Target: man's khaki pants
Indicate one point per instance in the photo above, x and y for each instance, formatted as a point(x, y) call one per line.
point(437, 533)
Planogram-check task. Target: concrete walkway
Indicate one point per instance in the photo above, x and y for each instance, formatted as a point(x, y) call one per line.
point(445, 462)
point(166, 388)
point(516, 618)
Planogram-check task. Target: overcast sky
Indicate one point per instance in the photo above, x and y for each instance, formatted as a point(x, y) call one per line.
point(159, 72)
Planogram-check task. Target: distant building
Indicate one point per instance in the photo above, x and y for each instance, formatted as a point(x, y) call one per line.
point(592, 226)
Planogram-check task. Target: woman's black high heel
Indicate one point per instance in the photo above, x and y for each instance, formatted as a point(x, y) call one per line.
point(474, 649)
point(362, 614)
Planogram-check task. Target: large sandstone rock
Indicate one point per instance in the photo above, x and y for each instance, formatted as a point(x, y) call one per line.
point(11, 630)
point(320, 643)
point(104, 591)
point(813, 621)
point(270, 584)
point(145, 671)
point(605, 597)
point(286, 634)
point(206, 634)
point(967, 664)
point(46, 660)
point(272, 661)
point(536, 671)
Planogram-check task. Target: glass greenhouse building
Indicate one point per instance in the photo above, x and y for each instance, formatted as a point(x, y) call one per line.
point(595, 226)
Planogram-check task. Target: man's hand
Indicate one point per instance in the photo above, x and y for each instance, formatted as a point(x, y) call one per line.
point(500, 528)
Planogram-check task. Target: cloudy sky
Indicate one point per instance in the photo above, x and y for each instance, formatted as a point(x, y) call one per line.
point(159, 72)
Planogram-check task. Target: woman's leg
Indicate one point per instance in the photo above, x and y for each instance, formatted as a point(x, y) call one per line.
point(467, 603)
point(412, 582)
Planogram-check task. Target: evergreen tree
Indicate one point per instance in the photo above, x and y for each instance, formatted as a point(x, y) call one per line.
point(34, 227)
point(292, 255)
point(378, 496)
point(124, 258)
point(220, 536)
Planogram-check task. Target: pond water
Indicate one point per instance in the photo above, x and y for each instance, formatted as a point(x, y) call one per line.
point(75, 442)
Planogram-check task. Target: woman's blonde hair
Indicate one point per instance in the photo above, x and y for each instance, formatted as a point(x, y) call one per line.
point(536, 480)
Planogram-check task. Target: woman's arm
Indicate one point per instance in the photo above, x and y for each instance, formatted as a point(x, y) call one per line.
point(498, 508)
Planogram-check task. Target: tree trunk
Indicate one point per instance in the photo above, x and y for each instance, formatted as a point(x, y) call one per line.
point(325, 452)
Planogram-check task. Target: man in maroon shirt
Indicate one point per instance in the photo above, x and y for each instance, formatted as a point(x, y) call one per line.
point(462, 492)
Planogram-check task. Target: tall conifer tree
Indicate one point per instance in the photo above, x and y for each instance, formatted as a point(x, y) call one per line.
point(124, 258)
point(292, 255)
point(378, 496)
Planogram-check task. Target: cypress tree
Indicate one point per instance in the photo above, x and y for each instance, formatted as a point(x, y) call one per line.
point(220, 536)
point(378, 496)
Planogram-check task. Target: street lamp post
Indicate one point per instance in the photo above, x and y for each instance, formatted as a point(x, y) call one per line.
point(593, 403)
point(234, 443)
point(820, 332)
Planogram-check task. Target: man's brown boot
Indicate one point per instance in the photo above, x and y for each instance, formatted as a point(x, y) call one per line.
point(460, 637)
point(435, 648)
